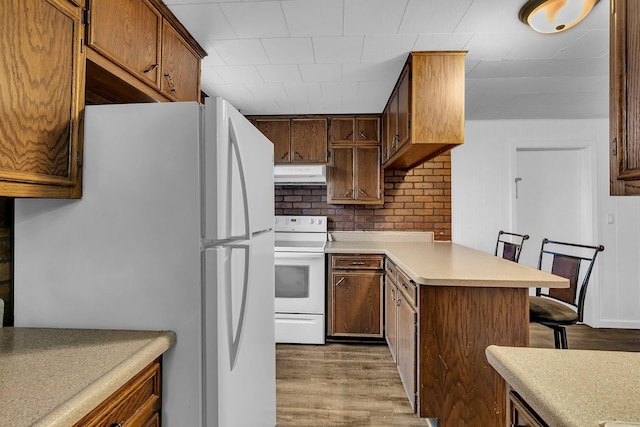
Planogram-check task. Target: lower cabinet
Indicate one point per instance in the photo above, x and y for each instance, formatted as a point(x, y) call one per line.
point(390, 309)
point(519, 414)
point(355, 296)
point(135, 404)
point(401, 320)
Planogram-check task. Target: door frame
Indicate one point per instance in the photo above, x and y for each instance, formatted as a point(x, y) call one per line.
point(586, 149)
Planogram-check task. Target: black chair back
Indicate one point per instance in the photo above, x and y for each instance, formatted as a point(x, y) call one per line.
point(511, 245)
point(574, 262)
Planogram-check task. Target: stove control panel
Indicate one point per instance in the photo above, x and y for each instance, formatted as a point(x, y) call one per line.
point(308, 224)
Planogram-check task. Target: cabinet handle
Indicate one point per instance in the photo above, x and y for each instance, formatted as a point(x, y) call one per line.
point(172, 87)
point(151, 68)
point(347, 136)
point(297, 155)
point(347, 193)
point(120, 424)
point(362, 135)
point(405, 286)
point(340, 281)
point(286, 153)
point(363, 193)
point(398, 301)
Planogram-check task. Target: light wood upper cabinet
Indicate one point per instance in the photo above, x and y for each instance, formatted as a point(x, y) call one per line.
point(42, 81)
point(180, 79)
point(625, 98)
point(139, 52)
point(425, 111)
point(127, 32)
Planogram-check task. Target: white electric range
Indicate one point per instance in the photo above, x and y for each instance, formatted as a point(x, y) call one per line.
point(300, 279)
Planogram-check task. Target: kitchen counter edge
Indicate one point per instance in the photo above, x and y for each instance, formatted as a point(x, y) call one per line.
point(125, 354)
point(598, 387)
point(441, 263)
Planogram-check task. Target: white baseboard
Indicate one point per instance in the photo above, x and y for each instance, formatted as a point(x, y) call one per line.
point(616, 324)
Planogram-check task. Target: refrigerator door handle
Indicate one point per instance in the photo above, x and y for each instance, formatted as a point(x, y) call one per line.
point(243, 182)
point(234, 336)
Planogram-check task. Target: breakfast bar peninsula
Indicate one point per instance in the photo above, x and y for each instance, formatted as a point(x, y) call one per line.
point(463, 300)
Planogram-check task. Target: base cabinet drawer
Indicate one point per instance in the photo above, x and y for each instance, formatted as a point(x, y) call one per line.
point(357, 262)
point(135, 404)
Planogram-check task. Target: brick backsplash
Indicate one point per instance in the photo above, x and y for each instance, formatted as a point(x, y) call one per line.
point(415, 200)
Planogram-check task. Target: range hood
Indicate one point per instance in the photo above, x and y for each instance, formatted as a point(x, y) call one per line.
point(300, 174)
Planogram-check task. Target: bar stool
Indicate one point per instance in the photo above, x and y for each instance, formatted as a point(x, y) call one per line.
point(561, 307)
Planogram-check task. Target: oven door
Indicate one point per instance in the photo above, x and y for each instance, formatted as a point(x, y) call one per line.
point(299, 282)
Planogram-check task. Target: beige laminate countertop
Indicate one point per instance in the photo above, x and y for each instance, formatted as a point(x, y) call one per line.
point(53, 377)
point(436, 263)
point(580, 388)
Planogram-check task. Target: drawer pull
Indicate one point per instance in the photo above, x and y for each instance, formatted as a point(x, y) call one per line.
point(404, 285)
point(172, 87)
point(120, 424)
point(340, 281)
point(151, 68)
point(358, 263)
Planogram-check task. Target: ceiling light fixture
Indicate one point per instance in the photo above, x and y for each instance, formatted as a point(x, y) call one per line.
point(554, 16)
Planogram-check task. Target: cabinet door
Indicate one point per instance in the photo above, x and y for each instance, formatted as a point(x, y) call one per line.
point(404, 107)
point(357, 303)
point(42, 81)
point(309, 140)
point(277, 131)
point(340, 180)
point(341, 130)
point(625, 98)
point(519, 413)
point(128, 33)
point(406, 354)
point(367, 130)
point(180, 67)
point(134, 404)
point(368, 174)
point(390, 316)
point(392, 131)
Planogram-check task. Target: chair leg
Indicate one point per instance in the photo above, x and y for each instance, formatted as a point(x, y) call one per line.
point(557, 338)
point(560, 337)
point(563, 337)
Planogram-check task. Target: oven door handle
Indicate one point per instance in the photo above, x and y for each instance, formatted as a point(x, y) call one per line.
point(299, 255)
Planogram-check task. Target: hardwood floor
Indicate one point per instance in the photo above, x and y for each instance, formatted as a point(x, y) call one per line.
point(358, 384)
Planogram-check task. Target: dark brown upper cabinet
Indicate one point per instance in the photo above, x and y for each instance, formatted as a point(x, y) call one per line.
point(625, 98)
point(300, 140)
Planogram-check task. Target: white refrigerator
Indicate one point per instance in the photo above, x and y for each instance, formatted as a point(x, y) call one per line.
point(174, 232)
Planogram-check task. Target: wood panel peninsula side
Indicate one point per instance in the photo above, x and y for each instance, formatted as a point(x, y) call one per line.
point(466, 301)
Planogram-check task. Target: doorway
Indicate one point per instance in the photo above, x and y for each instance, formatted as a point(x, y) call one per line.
point(554, 197)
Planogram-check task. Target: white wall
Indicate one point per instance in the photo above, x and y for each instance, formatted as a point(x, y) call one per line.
point(481, 205)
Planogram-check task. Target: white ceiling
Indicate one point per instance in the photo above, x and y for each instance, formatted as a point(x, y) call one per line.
point(344, 56)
